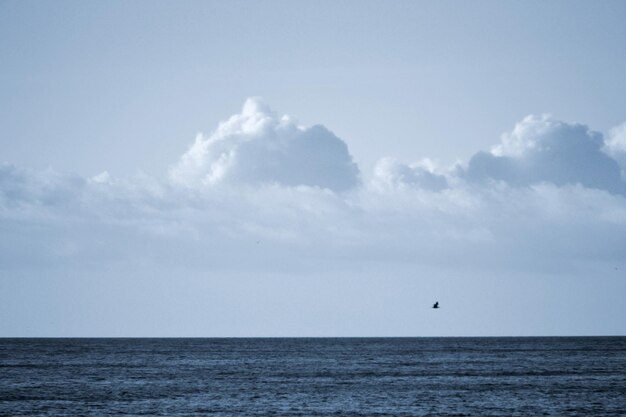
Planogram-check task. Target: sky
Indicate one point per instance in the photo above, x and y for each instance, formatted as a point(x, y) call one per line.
point(312, 169)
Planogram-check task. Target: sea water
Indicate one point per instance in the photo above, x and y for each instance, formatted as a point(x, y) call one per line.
point(314, 377)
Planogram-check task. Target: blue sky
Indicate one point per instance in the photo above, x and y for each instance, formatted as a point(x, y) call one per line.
point(471, 153)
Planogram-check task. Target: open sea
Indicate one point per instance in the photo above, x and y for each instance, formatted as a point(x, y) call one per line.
point(552, 376)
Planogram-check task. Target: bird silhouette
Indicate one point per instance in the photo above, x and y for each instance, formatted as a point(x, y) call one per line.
point(436, 305)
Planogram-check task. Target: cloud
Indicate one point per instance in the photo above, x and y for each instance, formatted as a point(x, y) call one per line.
point(388, 172)
point(616, 146)
point(542, 149)
point(277, 228)
point(546, 197)
point(617, 139)
point(19, 186)
point(259, 147)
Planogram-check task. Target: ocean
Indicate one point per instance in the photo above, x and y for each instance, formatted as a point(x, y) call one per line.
point(534, 376)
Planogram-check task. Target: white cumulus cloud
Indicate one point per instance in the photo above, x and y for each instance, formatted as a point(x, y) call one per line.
point(259, 147)
point(542, 149)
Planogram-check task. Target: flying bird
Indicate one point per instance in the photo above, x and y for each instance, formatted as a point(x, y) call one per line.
point(436, 305)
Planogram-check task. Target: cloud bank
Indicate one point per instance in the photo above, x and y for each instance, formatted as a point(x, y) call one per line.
point(264, 193)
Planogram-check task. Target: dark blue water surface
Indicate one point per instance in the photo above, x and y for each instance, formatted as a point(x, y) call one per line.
point(314, 377)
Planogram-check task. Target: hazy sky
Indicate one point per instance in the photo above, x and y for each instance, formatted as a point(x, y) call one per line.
point(358, 161)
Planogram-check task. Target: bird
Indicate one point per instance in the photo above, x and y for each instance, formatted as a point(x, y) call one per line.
point(436, 305)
